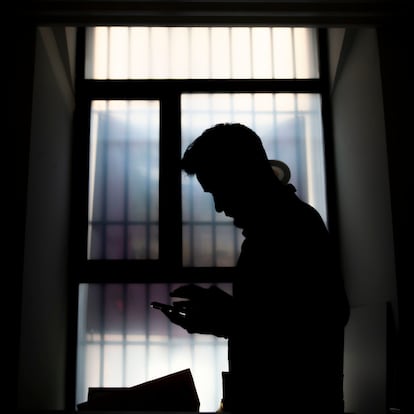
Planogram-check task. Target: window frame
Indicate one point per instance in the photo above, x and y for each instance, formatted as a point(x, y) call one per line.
point(168, 268)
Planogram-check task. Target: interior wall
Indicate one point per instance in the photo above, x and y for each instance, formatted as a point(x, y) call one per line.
point(365, 222)
point(364, 211)
point(44, 294)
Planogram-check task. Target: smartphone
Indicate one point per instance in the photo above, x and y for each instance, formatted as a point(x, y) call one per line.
point(162, 306)
point(167, 308)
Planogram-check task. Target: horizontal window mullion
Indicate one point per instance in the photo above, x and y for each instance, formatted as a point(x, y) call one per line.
point(157, 89)
point(149, 271)
point(120, 271)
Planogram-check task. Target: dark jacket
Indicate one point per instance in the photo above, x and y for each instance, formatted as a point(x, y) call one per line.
point(291, 308)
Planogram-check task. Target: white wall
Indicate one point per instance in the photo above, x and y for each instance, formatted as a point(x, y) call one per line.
point(43, 335)
point(365, 222)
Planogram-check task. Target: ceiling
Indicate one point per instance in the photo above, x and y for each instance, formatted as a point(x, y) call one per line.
point(199, 12)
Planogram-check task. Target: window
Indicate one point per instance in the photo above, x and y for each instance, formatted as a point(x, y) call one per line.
point(201, 53)
point(141, 227)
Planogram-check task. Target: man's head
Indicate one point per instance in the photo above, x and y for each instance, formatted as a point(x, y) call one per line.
point(226, 147)
point(230, 162)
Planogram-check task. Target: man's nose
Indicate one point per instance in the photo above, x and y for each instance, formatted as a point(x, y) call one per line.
point(219, 207)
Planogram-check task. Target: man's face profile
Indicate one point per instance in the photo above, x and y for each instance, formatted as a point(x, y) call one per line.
point(227, 193)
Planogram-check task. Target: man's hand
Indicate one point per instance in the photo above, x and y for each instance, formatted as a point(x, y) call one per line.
point(204, 310)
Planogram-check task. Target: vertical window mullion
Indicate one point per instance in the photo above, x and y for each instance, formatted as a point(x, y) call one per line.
point(170, 179)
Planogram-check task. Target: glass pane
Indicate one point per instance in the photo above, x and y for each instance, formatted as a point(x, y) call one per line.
point(200, 52)
point(123, 342)
point(290, 126)
point(123, 180)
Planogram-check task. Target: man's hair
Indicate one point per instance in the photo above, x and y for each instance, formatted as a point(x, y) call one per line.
point(225, 145)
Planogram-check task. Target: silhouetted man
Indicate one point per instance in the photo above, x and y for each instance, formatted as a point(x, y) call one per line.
point(286, 318)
